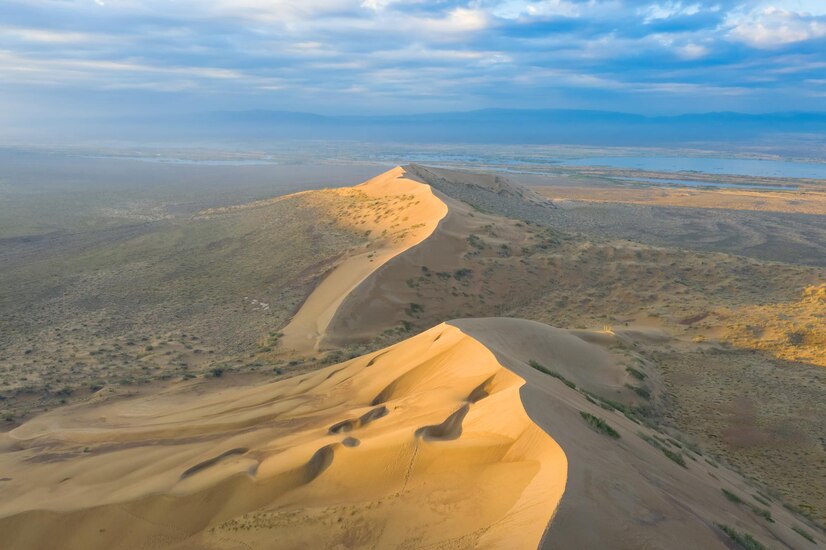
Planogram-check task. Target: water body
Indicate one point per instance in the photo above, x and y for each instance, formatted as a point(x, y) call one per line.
point(735, 167)
point(690, 183)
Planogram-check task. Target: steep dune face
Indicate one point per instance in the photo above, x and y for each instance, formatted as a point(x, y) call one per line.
point(398, 212)
point(629, 491)
point(424, 444)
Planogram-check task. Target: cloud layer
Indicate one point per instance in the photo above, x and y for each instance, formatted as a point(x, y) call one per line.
point(374, 56)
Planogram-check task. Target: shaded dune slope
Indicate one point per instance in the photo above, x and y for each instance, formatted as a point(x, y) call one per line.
point(624, 492)
point(422, 444)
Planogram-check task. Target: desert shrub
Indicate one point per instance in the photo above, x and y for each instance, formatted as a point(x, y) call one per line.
point(654, 442)
point(217, 372)
point(796, 337)
point(732, 496)
point(475, 241)
point(638, 374)
point(763, 513)
point(599, 425)
point(549, 372)
point(743, 540)
point(803, 534)
point(539, 367)
point(676, 457)
point(462, 274)
point(642, 391)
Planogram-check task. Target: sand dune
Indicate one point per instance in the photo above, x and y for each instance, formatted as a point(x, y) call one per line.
point(424, 444)
point(624, 492)
point(473, 263)
point(476, 433)
point(446, 440)
point(402, 212)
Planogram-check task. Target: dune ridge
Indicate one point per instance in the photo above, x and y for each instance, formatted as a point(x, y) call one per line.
point(424, 443)
point(476, 433)
point(404, 212)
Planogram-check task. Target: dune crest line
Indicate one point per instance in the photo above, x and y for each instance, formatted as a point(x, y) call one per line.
point(404, 212)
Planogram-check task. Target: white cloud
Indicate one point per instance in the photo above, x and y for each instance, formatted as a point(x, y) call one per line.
point(692, 51)
point(50, 36)
point(667, 10)
point(514, 9)
point(772, 27)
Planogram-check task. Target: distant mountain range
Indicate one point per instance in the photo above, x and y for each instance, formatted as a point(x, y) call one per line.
point(499, 126)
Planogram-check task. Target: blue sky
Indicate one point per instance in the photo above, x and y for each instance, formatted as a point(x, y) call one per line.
point(79, 58)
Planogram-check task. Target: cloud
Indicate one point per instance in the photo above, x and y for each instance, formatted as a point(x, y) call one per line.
point(667, 10)
point(514, 9)
point(772, 27)
point(403, 55)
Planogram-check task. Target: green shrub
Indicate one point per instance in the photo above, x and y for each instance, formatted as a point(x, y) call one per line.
point(732, 497)
point(462, 274)
point(763, 513)
point(642, 391)
point(676, 457)
point(761, 500)
point(549, 372)
point(743, 540)
point(638, 374)
point(803, 534)
point(599, 425)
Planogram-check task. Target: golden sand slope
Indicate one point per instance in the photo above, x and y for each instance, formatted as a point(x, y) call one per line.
point(400, 212)
point(424, 444)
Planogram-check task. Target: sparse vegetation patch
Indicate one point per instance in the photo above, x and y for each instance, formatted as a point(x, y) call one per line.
point(599, 425)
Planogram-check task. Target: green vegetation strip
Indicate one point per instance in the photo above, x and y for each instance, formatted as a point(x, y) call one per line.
point(803, 534)
point(549, 372)
point(762, 512)
point(676, 457)
point(743, 540)
point(599, 425)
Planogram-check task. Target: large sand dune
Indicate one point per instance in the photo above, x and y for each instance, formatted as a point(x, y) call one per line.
point(425, 444)
point(455, 260)
point(401, 212)
point(476, 433)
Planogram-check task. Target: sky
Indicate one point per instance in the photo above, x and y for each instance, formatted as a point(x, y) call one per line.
point(65, 59)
